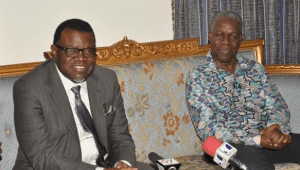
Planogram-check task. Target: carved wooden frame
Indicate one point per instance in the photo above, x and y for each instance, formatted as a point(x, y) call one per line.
point(126, 51)
point(283, 69)
point(17, 69)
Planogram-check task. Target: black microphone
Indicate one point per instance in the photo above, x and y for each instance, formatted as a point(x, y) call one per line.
point(164, 164)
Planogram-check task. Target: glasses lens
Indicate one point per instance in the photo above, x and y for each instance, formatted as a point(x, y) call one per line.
point(89, 52)
point(72, 52)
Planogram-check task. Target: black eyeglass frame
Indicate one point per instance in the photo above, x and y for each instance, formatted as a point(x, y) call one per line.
point(82, 50)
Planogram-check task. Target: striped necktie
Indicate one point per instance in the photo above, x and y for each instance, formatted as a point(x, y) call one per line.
point(88, 125)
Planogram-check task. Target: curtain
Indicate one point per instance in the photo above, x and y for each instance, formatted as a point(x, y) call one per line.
point(275, 21)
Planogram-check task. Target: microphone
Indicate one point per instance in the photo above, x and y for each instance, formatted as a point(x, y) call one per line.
point(164, 164)
point(222, 153)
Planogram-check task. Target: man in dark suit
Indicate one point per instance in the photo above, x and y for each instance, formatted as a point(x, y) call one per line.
point(69, 112)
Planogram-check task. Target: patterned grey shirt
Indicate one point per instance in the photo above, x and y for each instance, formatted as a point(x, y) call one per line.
point(234, 107)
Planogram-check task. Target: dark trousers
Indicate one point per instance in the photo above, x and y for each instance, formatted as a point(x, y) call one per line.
point(264, 159)
point(143, 166)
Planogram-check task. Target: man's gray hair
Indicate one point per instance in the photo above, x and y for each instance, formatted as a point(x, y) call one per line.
point(226, 14)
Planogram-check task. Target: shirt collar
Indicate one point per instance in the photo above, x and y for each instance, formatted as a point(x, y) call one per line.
point(212, 66)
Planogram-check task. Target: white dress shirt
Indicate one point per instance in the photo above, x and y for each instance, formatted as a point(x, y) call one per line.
point(88, 146)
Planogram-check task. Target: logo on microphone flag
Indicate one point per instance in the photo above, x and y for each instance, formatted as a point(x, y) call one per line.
point(223, 154)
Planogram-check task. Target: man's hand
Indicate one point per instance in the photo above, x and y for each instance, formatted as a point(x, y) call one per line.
point(122, 166)
point(273, 138)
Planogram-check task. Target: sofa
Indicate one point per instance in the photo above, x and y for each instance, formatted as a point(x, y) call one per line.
point(152, 79)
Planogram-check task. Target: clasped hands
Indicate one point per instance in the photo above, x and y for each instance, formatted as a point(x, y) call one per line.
point(273, 138)
point(122, 166)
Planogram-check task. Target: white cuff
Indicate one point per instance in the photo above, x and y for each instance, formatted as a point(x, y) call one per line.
point(99, 168)
point(126, 162)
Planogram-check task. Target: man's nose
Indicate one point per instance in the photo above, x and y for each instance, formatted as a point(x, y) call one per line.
point(226, 39)
point(80, 56)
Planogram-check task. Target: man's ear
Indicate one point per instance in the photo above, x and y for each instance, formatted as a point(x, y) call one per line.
point(53, 51)
point(209, 37)
point(241, 39)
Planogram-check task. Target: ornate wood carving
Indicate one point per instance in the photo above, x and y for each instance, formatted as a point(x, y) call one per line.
point(127, 50)
point(283, 69)
point(17, 69)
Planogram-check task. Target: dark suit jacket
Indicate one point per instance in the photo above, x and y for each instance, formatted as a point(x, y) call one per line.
point(45, 125)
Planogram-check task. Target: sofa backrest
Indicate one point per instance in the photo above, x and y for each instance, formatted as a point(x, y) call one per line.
point(7, 128)
point(289, 87)
point(154, 100)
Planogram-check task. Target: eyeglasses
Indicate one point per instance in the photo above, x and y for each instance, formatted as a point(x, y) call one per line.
point(74, 52)
point(233, 37)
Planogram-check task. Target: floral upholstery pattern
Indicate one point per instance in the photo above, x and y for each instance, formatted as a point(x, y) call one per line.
point(155, 104)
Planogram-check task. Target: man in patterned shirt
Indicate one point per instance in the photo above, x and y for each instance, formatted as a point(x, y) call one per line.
point(232, 98)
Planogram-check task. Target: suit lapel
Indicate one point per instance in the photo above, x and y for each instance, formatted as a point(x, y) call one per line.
point(97, 100)
point(59, 98)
